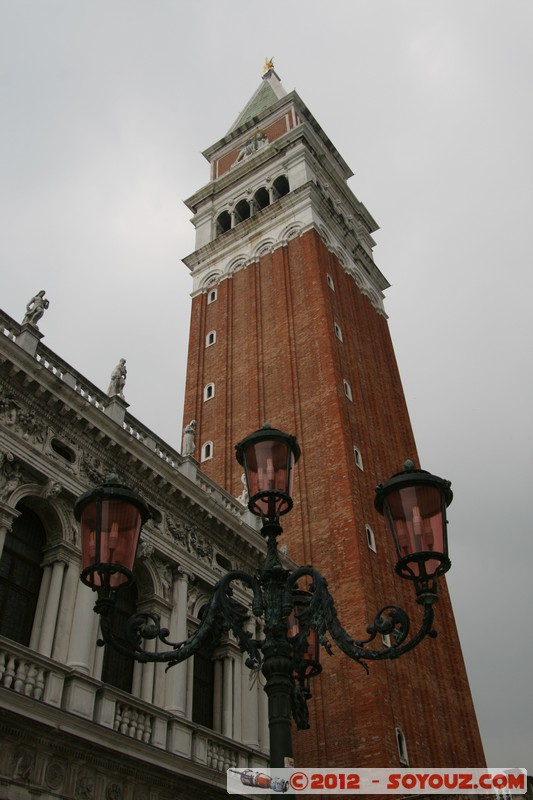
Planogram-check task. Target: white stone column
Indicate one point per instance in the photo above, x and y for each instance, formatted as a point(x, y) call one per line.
point(147, 674)
point(227, 697)
point(160, 675)
point(98, 652)
point(249, 699)
point(264, 732)
point(48, 629)
point(82, 639)
point(190, 684)
point(7, 516)
point(66, 611)
point(3, 534)
point(136, 681)
point(41, 605)
point(46, 639)
point(237, 698)
point(176, 680)
point(217, 695)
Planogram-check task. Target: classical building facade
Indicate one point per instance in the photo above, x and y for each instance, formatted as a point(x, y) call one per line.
point(288, 326)
point(78, 721)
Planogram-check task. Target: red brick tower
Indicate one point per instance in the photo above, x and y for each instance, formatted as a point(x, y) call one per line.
point(288, 327)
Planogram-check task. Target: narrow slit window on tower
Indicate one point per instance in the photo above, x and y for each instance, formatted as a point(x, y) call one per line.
point(209, 391)
point(402, 747)
point(331, 284)
point(207, 451)
point(210, 338)
point(358, 458)
point(347, 389)
point(338, 332)
point(370, 538)
point(211, 296)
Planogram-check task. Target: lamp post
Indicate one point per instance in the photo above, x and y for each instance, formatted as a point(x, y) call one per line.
point(296, 620)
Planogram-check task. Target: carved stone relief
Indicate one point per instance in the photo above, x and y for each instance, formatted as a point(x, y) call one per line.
point(189, 537)
point(22, 419)
point(23, 764)
point(51, 489)
point(93, 468)
point(11, 475)
point(8, 410)
point(113, 791)
point(84, 785)
point(54, 775)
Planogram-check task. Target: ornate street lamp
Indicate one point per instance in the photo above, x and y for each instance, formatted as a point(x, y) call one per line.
point(268, 457)
point(111, 518)
point(414, 502)
point(297, 619)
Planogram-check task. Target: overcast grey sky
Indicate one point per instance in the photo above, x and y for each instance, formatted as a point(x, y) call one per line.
point(106, 107)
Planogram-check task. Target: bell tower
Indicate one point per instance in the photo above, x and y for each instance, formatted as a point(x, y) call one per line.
point(288, 326)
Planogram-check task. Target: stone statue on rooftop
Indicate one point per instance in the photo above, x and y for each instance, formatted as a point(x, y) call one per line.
point(244, 496)
point(188, 439)
point(35, 309)
point(118, 379)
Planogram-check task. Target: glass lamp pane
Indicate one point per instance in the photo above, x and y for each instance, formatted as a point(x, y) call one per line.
point(419, 521)
point(311, 654)
point(269, 468)
point(117, 543)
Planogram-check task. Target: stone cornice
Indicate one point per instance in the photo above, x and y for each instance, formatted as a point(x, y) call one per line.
point(168, 481)
point(303, 209)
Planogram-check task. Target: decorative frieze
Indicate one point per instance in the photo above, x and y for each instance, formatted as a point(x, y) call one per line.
point(190, 538)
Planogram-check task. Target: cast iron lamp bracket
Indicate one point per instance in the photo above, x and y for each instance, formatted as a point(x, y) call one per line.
point(413, 501)
point(273, 590)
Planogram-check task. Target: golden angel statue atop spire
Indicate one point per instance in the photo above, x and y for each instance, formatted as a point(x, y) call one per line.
point(269, 64)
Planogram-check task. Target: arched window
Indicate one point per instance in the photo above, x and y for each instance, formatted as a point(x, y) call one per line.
point(203, 684)
point(262, 198)
point(211, 296)
point(210, 338)
point(223, 222)
point(281, 186)
point(338, 332)
point(20, 575)
point(209, 391)
point(207, 451)
point(117, 669)
point(242, 210)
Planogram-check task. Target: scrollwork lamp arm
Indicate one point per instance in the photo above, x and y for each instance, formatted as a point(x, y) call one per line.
point(320, 615)
point(223, 613)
